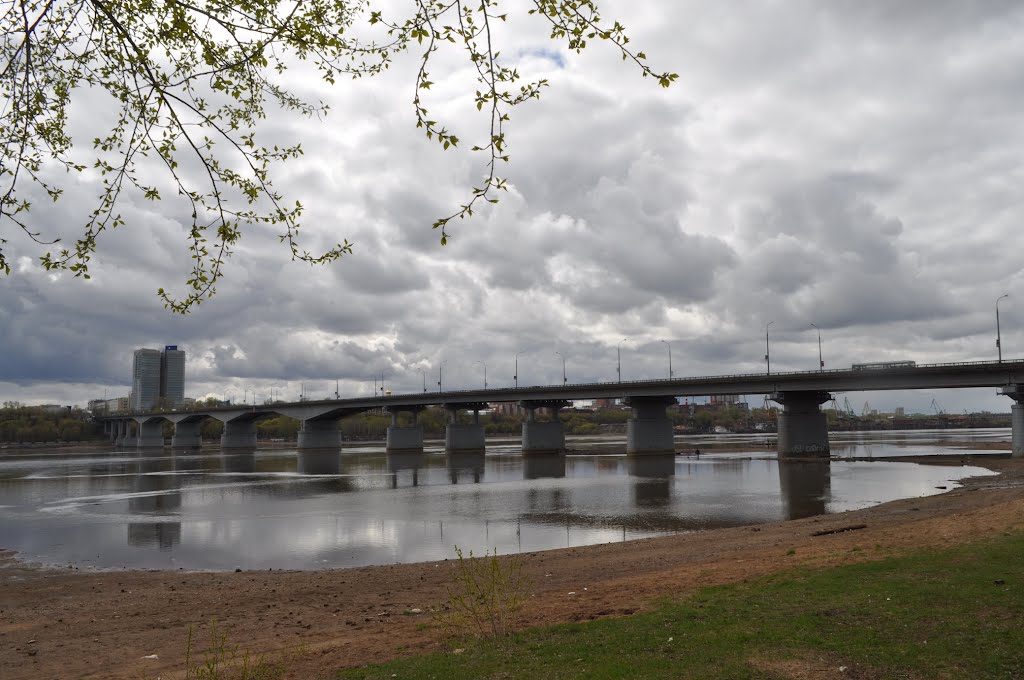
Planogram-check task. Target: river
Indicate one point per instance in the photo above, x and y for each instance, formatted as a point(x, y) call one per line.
point(284, 509)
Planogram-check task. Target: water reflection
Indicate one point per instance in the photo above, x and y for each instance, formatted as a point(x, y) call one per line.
point(653, 489)
point(465, 467)
point(156, 492)
point(240, 462)
point(315, 509)
point(540, 467)
point(405, 468)
point(806, 487)
point(318, 462)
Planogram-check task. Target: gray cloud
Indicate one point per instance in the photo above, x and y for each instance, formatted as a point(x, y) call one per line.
point(853, 165)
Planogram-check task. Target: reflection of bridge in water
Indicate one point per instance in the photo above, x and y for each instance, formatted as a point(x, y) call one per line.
point(802, 427)
point(157, 487)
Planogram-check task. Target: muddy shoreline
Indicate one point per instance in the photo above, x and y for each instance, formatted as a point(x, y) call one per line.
point(108, 624)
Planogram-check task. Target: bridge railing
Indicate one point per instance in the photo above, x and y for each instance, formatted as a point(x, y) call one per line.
point(448, 395)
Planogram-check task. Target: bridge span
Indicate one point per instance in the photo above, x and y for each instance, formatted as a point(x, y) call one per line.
point(802, 427)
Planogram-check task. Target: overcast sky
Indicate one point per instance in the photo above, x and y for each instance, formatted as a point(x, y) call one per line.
point(852, 164)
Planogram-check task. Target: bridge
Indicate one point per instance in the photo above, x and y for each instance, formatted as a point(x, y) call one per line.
point(802, 427)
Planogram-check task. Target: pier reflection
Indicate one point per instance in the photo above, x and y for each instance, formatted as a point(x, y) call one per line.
point(653, 488)
point(541, 467)
point(239, 461)
point(318, 462)
point(405, 468)
point(156, 492)
point(806, 487)
point(464, 467)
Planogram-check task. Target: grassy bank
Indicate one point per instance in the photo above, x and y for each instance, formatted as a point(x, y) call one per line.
point(935, 614)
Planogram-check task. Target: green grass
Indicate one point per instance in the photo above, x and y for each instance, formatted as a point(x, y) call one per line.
point(934, 614)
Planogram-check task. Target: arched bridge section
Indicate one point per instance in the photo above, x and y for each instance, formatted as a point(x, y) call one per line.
point(802, 430)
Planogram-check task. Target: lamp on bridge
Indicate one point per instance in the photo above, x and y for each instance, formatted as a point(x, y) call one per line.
point(821, 363)
point(515, 376)
point(439, 367)
point(564, 379)
point(767, 350)
point(669, 345)
point(618, 357)
point(485, 372)
point(999, 343)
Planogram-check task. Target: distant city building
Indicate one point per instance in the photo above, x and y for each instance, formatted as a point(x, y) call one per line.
point(900, 412)
point(606, 403)
point(115, 405)
point(508, 408)
point(725, 399)
point(118, 404)
point(172, 375)
point(145, 378)
point(158, 378)
point(54, 408)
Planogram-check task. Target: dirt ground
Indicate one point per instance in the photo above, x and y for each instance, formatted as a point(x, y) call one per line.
point(133, 624)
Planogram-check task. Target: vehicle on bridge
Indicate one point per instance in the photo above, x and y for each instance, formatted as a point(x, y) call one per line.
point(880, 365)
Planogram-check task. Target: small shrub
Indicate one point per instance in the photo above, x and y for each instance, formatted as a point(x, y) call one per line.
point(486, 596)
point(225, 661)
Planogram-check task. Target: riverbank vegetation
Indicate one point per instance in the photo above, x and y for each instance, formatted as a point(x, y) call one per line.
point(933, 613)
point(20, 423)
point(55, 424)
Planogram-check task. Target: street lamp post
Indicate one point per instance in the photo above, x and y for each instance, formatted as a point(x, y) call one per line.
point(485, 372)
point(767, 350)
point(999, 339)
point(423, 374)
point(618, 358)
point(439, 367)
point(515, 377)
point(669, 345)
point(821, 362)
point(564, 379)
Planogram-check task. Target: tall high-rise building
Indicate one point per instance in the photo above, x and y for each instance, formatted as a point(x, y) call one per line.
point(158, 378)
point(145, 378)
point(172, 375)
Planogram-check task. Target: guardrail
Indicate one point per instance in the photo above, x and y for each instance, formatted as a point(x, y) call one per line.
point(524, 391)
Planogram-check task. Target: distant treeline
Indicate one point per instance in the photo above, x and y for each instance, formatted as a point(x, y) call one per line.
point(19, 423)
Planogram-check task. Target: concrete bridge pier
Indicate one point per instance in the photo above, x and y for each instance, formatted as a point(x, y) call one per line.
point(540, 438)
point(464, 437)
point(803, 428)
point(238, 434)
point(120, 432)
point(649, 431)
point(151, 433)
point(404, 439)
point(187, 435)
point(1016, 392)
point(319, 434)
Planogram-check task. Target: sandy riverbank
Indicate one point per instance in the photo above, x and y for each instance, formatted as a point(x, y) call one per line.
point(71, 624)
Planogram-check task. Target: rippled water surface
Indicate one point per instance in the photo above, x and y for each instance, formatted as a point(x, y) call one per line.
point(286, 509)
